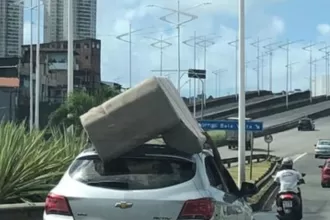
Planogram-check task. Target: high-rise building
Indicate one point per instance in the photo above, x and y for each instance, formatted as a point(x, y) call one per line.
point(56, 17)
point(11, 28)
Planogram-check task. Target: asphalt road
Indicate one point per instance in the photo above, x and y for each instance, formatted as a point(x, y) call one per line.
point(288, 143)
point(316, 200)
point(293, 143)
point(295, 113)
point(231, 105)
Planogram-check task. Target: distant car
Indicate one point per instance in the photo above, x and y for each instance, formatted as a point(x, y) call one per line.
point(306, 124)
point(322, 148)
point(151, 182)
point(325, 173)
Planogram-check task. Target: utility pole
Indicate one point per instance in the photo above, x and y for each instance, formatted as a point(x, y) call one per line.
point(160, 44)
point(270, 50)
point(286, 47)
point(257, 45)
point(235, 45)
point(309, 48)
point(326, 58)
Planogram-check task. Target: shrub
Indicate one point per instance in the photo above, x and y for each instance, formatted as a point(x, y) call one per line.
point(30, 165)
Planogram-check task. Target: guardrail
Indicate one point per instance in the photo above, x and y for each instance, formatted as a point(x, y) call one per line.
point(229, 99)
point(291, 124)
point(257, 105)
point(262, 181)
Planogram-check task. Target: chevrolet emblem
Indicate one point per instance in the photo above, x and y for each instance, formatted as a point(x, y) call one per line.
point(123, 205)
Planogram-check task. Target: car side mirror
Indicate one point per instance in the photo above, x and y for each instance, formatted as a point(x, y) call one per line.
point(248, 189)
point(321, 166)
point(314, 145)
point(303, 174)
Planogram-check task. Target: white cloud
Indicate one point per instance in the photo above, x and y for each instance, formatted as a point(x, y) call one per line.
point(323, 29)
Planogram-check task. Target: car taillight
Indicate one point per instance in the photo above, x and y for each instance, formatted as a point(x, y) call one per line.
point(58, 205)
point(197, 209)
point(327, 171)
point(286, 196)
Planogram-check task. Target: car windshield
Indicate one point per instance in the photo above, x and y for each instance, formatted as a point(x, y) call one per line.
point(305, 121)
point(324, 142)
point(136, 173)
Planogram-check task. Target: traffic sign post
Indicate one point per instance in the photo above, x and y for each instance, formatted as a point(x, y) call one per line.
point(268, 139)
point(197, 73)
point(208, 125)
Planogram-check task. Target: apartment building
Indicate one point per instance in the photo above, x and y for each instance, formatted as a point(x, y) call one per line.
point(56, 16)
point(11, 28)
point(53, 68)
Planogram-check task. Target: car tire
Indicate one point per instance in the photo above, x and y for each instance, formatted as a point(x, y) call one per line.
point(323, 185)
point(229, 147)
point(316, 156)
point(298, 129)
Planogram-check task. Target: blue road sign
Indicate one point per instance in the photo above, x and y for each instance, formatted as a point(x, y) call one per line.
point(229, 125)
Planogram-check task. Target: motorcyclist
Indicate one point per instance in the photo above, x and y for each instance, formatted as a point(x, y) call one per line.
point(289, 179)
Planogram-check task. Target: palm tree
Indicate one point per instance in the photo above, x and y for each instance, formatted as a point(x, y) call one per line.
point(77, 104)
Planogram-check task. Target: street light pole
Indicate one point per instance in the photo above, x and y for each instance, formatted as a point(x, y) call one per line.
point(37, 92)
point(270, 51)
point(160, 44)
point(241, 100)
point(257, 45)
point(315, 73)
point(31, 66)
point(246, 72)
point(286, 47)
point(235, 45)
point(326, 58)
point(218, 80)
point(290, 74)
point(309, 48)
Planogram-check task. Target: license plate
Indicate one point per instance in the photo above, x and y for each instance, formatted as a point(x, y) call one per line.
point(287, 204)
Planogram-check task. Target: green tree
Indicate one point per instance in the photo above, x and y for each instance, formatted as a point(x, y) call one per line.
point(77, 104)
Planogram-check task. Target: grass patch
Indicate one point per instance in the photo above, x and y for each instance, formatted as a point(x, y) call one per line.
point(255, 198)
point(217, 136)
point(258, 169)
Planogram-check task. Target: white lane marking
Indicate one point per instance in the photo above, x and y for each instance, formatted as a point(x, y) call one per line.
point(299, 157)
point(294, 160)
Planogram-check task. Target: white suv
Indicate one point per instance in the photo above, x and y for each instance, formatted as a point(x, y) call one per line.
point(153, 182)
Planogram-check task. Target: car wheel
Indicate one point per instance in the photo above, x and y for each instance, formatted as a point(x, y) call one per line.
point(229, 147)
point(316, 156)
point(323, 185)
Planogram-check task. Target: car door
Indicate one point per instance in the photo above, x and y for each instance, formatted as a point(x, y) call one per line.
point(225, 201)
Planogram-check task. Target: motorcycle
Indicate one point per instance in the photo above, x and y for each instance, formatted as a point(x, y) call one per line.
point(289, 204)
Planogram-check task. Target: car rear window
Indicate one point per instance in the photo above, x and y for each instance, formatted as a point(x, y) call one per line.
point(325, 142)
point(132, 173)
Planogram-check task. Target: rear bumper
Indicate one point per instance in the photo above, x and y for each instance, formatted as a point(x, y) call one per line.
point(322, 154)
point(57, 217)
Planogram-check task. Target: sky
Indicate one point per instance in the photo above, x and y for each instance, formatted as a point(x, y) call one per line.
point(272, 21)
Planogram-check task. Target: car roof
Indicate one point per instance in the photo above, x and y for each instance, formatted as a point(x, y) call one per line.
point(324, 139)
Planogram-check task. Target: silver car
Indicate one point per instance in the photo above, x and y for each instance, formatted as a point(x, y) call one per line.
point(322, 148)
point(153, 182)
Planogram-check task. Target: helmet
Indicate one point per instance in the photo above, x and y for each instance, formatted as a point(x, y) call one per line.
point(287, 163)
